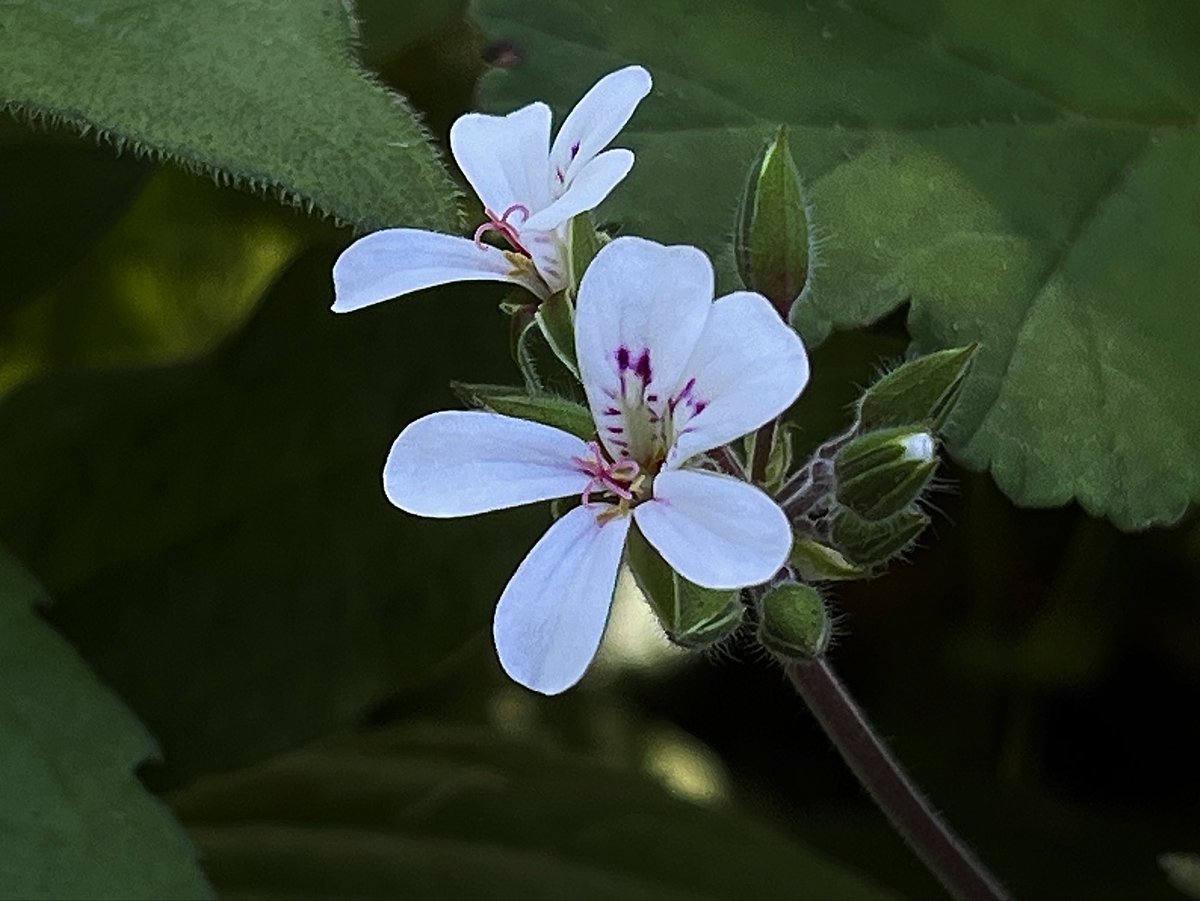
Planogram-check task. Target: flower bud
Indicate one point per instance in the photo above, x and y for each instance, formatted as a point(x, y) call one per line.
point(881, 473)
point(920, 391)
point(693, 617)
point(869, 543)
point(793, 621)
point(771, 232)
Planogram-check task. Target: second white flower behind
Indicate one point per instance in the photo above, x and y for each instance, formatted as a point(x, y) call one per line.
point(669, 375)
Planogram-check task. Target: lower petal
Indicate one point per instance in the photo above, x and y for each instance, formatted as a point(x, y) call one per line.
point(715, 530)
point(396, 261)
point(461, 462)
point(553, 611)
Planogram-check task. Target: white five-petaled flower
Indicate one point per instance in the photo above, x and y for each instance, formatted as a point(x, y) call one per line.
point(669, 375)
point(530, 190)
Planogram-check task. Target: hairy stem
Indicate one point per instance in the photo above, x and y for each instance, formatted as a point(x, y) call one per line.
point(958, 869)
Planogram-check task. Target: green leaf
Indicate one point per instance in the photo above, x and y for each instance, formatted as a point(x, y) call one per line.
point(184, 266)
point(1029, 181)
point(545, 408)
point(433, 812)
point(59, 195)
point(216, 534)
point(1184, 872)
point(74, 820)
point(264, 95)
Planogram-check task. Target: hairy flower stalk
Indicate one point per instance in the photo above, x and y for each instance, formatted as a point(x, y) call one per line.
point(669, 375)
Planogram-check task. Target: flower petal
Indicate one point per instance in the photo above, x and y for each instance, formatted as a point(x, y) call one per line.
point(397, 261)
point(553, 611)
point(460, 462)
point(505, 158)
point(715, 530)
point(749, 367)
point(639, 301)
point(593, 183)
point(595, 121)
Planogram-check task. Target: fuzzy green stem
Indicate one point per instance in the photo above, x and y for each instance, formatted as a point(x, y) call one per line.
point(946, 856)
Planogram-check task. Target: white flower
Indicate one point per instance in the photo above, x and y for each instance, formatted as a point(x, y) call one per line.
point(530, 191)
point(669, 375)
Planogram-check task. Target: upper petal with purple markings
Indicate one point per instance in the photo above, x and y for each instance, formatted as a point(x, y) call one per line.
point(640, 312)
point(600, 114)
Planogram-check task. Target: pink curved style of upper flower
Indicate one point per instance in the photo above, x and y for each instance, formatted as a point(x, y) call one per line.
point(669, 375)
point(530, 190)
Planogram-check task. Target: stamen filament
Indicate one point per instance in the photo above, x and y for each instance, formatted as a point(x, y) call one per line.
point(506, 228)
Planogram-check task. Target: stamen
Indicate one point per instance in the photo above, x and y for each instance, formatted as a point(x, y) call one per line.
point(506, 228)
point(615, 478)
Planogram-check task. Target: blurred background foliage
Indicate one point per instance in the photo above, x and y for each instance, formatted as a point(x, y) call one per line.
point(191, 453)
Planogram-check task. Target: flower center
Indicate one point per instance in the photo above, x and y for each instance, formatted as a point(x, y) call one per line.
point(507, 229)
point(642, 421)
point(624, 480)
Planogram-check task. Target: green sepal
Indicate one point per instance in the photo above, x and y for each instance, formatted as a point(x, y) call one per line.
point(771, 231)
point(584, 242)
point(881, 473)
point(544, 408)
point(868, 543)
point(814, 562)
point(793, 621)
point(557, 321)
point(920, 391)
point(779, 461)
point(541, 367)
point(693, 617)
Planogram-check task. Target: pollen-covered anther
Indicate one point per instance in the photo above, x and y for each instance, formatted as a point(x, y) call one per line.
point(506, 228)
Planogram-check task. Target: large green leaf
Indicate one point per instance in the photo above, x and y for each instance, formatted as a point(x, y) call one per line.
point(216, 534)
point(437, 812)
point(59, 195)
point(74, 820)
point(178, 271)
point(1027, 175)
point(261, 94)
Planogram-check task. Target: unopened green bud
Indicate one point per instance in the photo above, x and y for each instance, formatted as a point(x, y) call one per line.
point(771, 232)
point(881, 473)
point(693, 617)
point(920, 391)
point(870, 543)
point(544, 408)
point(793, 621)
point(814, 562)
